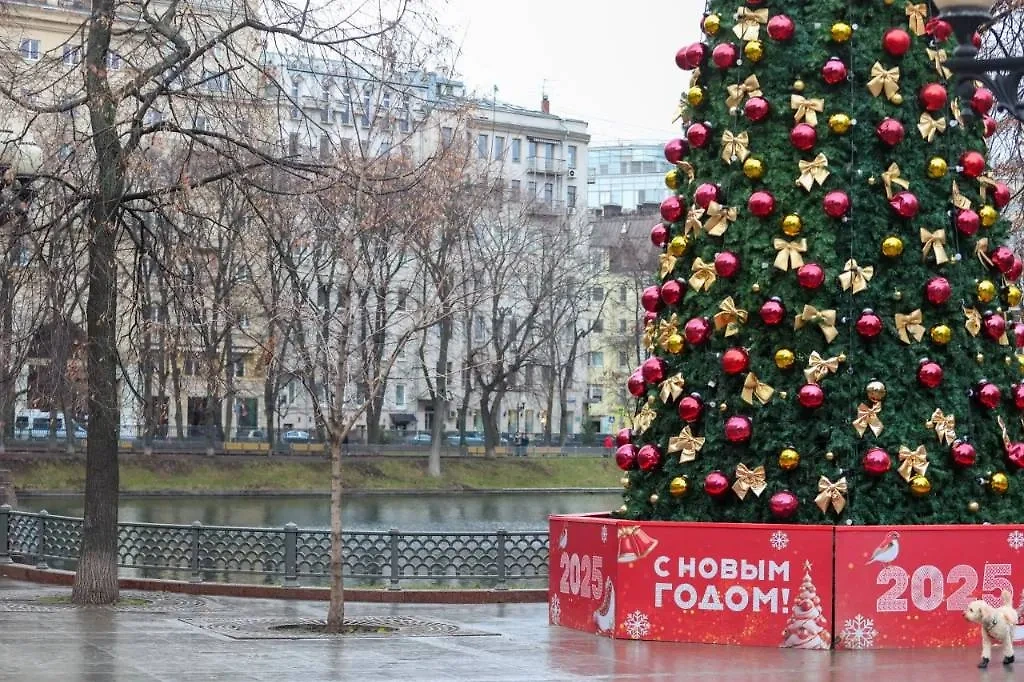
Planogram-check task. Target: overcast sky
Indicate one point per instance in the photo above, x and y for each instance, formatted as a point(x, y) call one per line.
point(609, 67)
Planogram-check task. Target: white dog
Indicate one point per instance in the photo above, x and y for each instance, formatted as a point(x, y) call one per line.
point(996, 624)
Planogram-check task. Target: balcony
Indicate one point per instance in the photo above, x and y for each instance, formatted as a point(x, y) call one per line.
point(542, 207)
point(544, 165)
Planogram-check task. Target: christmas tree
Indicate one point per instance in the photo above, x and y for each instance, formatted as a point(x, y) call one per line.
point(830, 336)
point(806, 626)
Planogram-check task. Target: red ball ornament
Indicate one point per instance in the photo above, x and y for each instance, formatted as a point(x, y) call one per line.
point(994, 326)
point(803, 137)
point(876, 462)
point(810, 276)
point(905, 204)
point(896, 42)
point(636, 384)
point(691, 56)
point(672, 208)
point(989, 395)
point(834, 71)
point(738, 429)
point(890, 131)
point(968, 222)
point(727, 264)
point(698, 135)
point(706, 193)
point(676, 149)
point(982, 101)
point(973, 164)
point(781, 27)
point(836, 204)
point(624, 437)
point(725, 55)
point(691, 408)
point(929, 374)
point(1017, 392)
point(650, 317)
point(650, 299)
point(990, 125)
point(1015, 454)
point(697, 331)
point(1016, 269)
point(976, 40)
point(937, 290)
point(933, 97)
point(659, 236)
point(716, 484)
point(1001, 195)
point(772, 312)
point(756, 109)
point(735, 361)
point(625, 457)
point(811, 396)
point(672, 291)
point(653, 370)
point(761, 204)
point(1002, 258)
point(1018, 335)
point(783, 505)
point(869, 325)
point(938, 29)
point(964, 454)
point(648, 458)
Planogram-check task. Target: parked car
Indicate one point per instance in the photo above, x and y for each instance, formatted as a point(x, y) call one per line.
point(253, 434)
point(297, 437)
point(418, 439)
point(36, 424)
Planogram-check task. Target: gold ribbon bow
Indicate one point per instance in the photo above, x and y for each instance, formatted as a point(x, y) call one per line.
point(650, 336)
point(752, 480)
point(735, 147)
point(693, 221)
point(930, 127)
point(826, 319)
point(954, 107)
point(788, 255)
point(644, 418)
point(913, 462)
point(730, 318)
point(811, 172)
point(818, 367)
point(703, 275)
point(666, 264)
point(830, 493)
point(973, 323)
point(686, 168)
point(755, 388)
point(748, 88)
point(867, 418)
point(1006, 436)
point(884, 80)
point(807, 110)
point(892, 177)
point(986, 183)
point(683, 113)
point(666, 330)
point(910, 325)
point(958, 199)
point(945, 426)
point(719, 218)
point(856, 277)
point(672, 388)
point(934, 241)
point(687, 444)
point(917, 15)
point(749, 22)
point(981, 251)
point(938, 58)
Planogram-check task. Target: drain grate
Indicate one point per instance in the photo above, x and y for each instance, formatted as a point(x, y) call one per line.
point(145, 602)
point(271, 628)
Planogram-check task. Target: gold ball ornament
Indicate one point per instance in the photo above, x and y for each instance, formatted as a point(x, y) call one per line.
point(889, 2)
point(622, 510)
point(712, 24)
point(724, 407)
point(979, 358)
point(999, 483)
point(989, 216)
point(755, 287)
point(754, 50)
point(798, 85)
point(695, 96)
point(678, 246)
point(792, 224)
point(654, 498)
point(672, 179)
point(753, 168)
point(897, 295)
point(892, 247)
point(1012, 295)
point(841, 32)
point(784, 358)
point(830, 456)
point(624, 481)
point(674, 344)
point(897, 99)
point(937, 168)
point(920, 486)
point(875, 391)
point(679, 486)
point(789, 459)
point(839, 123)
point(986, 291)
point(973, 507)
point(941, 334)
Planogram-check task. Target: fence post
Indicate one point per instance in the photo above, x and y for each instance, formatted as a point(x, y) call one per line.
point(291, 575)
point(502, 572)
point(395, 567)
point(41, 534)
point(197, 576)
point(5, 524)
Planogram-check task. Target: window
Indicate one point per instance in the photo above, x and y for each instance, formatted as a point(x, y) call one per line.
point(293, 144)
point(294, 96)
point(596, 359)
point(325, 115)
point(549, 192)
point(481, 146)
point(572, 156)
point(325, 95)
point(238, 366)
point(623, 326)
point(72, 55)
point(571, 196)
point(622, 294)
point(201, 123)
point(529, 375)
point(531, 190)
point(446, 136)
point(533, 150)
point(623, 357)
point(499, 147)
point(479, 328)
point(599, 325)
point(514, 187)
point(325, 147)
point(400, 395)
point(597, 294)
point(364, 118)
point(114, 61)
point(403, 299)
point(191, 366)
point(517, 149)
point(29, 49)
point(342, 113)
point(404, 124)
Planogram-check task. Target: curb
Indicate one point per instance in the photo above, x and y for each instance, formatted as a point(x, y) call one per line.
point(325, 493)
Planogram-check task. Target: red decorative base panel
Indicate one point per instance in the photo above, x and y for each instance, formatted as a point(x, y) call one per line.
point(805, 587)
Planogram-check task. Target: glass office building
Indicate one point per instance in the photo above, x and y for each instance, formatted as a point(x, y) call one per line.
point(626, 175)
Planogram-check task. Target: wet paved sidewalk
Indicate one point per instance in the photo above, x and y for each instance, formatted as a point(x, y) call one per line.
point(191, 638)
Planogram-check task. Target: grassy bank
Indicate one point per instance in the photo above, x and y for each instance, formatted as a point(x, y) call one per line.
point(197, 474)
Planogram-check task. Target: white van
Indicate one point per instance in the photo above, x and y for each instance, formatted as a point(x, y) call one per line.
point(35, 424)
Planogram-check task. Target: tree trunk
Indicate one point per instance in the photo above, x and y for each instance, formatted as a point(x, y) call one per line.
point(440, 398)
point(336, 610)
point(270, 409)
point(489, 410)
point(550, 407)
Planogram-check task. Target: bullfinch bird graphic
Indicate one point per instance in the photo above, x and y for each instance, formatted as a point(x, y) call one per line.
point(887, 551)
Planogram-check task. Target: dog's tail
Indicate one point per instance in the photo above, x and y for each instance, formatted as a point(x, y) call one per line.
point(1007, 597)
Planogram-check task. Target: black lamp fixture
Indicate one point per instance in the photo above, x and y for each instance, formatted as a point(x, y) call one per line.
point(1000, 75)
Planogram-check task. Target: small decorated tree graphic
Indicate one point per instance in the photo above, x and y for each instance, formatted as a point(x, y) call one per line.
point(807, 624)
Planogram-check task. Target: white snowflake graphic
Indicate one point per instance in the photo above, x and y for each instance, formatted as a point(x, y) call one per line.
point(604, 534)
point(1015, 539)
point(858, 633)
point(637, 625)
point(555, 609)
point(779, 540)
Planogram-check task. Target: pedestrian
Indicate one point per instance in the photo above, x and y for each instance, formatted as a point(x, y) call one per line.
point(608, 442)
point(517, 443)
point(525, 443)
